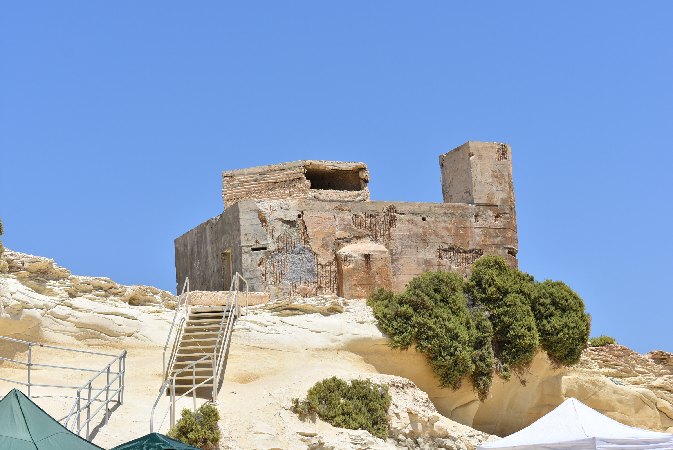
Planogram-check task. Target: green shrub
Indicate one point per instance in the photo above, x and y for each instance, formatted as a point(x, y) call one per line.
point(360, 405)
point(601, 341)
point(431, 313)
point(515, 338)
point(483, 357)
point(395, 318)
point(199, 428)
point(447, 340)
point(506, 293)
point(494, 322)
point(2, 230)
point(561, 321)
point(492, 280)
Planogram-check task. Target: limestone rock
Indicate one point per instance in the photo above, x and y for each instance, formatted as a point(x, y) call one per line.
point(41, 301)
point(631, 388)
point(24, 265)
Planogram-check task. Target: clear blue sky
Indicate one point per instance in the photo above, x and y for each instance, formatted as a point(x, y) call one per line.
point(116, 119)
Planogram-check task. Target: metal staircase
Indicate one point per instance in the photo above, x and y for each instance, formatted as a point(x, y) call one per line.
point(202, 331)
point(199, 340)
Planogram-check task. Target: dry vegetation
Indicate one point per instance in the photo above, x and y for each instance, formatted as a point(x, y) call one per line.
point(291, 308)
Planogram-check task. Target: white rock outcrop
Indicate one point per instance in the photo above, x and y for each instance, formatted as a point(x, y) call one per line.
point(282, 348)
point(42, 301)
point(276, 356)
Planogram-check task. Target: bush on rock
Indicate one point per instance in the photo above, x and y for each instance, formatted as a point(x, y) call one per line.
point(199, 428)
point(358, 405)
point(601, 341)
point(561, 320)
point(495, 321)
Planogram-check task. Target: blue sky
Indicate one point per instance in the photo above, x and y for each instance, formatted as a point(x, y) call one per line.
point(116, 119)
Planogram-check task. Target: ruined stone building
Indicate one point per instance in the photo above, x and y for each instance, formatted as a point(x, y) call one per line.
point(309, 227)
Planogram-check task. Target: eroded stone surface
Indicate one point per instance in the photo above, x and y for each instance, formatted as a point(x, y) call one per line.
point(41, 301)
point(279, 238)
point(321, 180)
point(618, 382)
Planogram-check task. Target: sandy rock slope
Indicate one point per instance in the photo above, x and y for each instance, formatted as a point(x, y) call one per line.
point(280, 349)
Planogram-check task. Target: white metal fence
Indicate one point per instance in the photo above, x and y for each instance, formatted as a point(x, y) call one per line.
point(101, 393)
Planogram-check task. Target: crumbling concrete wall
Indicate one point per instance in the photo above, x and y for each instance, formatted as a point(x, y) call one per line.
point(199, 253)
point(295, 243)
point(362, 268)
point(284, 237)
point(321, 180)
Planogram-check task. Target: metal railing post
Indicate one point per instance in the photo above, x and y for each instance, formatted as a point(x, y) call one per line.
point(107, 395)
point(119, 381)
point(88, 410)
point(79, 409)
point(121, 378)
point(173, 402)
point(30, 365)
point(215, 381)
point(194, 386)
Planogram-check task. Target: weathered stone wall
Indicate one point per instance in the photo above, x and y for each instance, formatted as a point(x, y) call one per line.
point(322, 180)
point(294, 243)
point(291, 230)
point(198, 253)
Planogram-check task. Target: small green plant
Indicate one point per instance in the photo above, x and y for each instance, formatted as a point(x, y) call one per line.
point(199, 428)
point(2, 230)
point(601, 341)
point(358, 405)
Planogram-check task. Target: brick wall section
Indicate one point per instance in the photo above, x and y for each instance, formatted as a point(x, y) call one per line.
point(289, 180)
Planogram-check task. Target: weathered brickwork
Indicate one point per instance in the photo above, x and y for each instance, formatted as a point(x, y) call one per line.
point(318, 241)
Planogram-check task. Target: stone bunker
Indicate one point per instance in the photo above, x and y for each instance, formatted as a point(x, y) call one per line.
point(309, 227)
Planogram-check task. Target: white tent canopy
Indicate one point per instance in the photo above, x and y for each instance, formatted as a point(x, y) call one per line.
point(575, 426)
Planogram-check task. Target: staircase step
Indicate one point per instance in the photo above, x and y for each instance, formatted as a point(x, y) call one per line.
point(191, 338)
point(207, 319)
point(188, 377)
point(196, 369)
point(191, 351)
point(205, 347)
point(193, 355)
point(200, 337)
point(192, 330)
point(205, 327)
point(209, 314)
point(199, 366)
point(199, 309)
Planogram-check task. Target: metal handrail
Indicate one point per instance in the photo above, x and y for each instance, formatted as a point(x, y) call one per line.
point(77, 409)
point(180, 307)
point(174, 400)
point(217, 358)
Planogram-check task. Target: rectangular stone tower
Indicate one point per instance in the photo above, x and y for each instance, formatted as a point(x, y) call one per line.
point(478, 173)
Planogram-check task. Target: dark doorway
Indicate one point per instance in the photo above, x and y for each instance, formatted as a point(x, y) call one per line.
point(227, 269)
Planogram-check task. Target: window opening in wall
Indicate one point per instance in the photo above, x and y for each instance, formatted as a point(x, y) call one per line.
point(334, 180)
point(227, 272)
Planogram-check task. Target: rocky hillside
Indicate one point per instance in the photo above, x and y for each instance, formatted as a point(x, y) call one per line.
point(40, 300)
point(280, 349)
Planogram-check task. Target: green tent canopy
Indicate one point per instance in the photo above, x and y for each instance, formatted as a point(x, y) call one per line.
point(25, 426)
point(154, 441)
